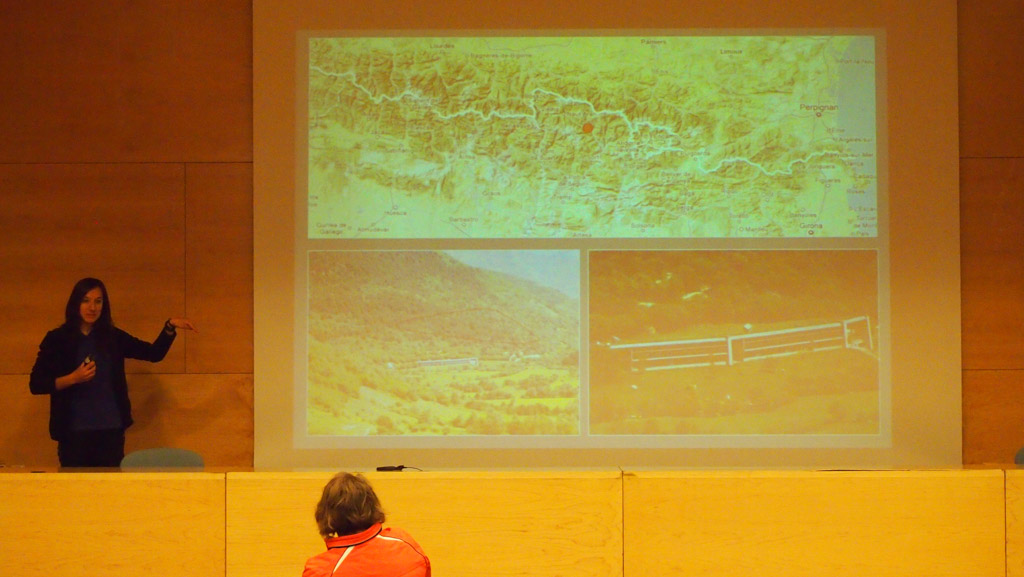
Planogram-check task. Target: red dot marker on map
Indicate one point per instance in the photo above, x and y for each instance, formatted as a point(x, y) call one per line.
point(588, 128)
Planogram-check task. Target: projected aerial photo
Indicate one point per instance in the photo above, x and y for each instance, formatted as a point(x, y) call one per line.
point(592, 137)
point(734, 342)
point(443, 343)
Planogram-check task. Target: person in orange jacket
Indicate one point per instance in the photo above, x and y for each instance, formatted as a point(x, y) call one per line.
point(350, 519)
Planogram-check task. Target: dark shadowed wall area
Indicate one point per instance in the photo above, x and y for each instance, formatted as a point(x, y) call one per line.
point(127, 155)
point(991, 227)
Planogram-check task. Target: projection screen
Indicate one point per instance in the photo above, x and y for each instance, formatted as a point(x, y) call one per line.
point(551, 245)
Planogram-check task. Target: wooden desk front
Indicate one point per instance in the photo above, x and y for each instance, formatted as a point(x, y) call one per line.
point(586, 524)
point(112, 523)
point(470, 524)
point(789, 524)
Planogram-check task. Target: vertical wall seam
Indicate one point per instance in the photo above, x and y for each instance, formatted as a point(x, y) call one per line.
point(184, 260)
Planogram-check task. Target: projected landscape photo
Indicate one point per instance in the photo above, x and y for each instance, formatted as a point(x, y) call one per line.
point(450, 343)
point(537, 137)
point(770, 342)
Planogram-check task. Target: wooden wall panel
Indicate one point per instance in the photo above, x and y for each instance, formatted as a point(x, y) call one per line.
point(992, 262)
point(126, 81)
point(219, 267)
point(123, 224)
point(993, 415)
point(991, 49)
point(211, 414)
point(91, 524)
point(469, 524)
point(154, 81)
point(24, 435)
point(126, 155)
point(992, 297)
point(804, 523)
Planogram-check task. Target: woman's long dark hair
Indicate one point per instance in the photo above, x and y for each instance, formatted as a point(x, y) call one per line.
point(73, 311)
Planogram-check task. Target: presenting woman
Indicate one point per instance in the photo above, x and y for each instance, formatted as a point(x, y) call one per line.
point(81, 366)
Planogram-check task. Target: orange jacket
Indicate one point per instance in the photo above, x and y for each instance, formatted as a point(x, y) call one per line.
point(375, 551)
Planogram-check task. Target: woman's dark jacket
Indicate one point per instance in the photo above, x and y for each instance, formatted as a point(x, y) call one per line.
point(58, 357)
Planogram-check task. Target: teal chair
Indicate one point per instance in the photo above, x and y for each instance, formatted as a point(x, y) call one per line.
point(162, 458)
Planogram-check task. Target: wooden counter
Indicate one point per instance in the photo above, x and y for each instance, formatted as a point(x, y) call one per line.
point(567, 524)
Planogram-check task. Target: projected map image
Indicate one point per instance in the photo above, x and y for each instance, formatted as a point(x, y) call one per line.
point(591, 137)
point(443, 343)
point(734, 342)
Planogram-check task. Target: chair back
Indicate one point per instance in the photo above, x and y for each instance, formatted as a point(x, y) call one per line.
point(161, 458)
